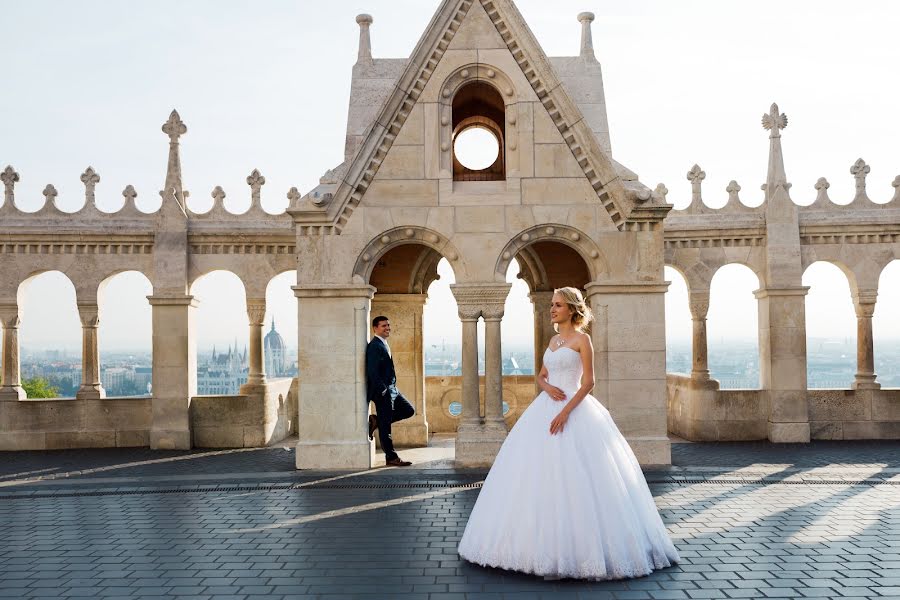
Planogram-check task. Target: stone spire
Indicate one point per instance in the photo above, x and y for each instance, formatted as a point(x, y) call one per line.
point(774, 121)
point(365, 42)
point(174, 128)
point(587, 40)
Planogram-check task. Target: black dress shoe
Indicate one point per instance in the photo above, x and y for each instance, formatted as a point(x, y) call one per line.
point(373, 425)
point(397, 462)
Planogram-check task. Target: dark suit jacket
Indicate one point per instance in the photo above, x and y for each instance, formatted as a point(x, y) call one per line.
point(381, 379)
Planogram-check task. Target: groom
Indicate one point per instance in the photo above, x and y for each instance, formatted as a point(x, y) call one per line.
point(381, 388)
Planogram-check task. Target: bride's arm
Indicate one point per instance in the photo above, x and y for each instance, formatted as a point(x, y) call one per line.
point(586, 350)
point(543, 382)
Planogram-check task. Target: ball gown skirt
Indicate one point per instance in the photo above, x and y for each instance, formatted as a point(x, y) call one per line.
point(574, 504)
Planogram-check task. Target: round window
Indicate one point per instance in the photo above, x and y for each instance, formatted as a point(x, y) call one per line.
point(455, 408)
point(476, 148)
point(505, 408)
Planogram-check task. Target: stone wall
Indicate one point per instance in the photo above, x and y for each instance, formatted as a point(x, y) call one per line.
point(440, 392)
point(217, 421)
point(699, 411)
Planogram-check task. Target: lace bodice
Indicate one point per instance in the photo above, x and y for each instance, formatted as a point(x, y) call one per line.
point(563, 368)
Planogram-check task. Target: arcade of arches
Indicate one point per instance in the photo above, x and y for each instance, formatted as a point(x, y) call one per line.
point(368, 240)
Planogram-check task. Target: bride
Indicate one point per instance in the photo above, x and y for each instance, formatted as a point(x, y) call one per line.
point(566, 497)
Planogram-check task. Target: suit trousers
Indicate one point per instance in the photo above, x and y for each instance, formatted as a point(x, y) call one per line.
point(389, 409)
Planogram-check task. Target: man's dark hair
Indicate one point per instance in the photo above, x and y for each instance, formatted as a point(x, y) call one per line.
point(378, 320)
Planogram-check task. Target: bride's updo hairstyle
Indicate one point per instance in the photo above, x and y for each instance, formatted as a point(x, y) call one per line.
point(581, 313)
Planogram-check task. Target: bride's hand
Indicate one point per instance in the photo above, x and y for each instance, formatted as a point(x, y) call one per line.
point(555, 393)
point(557, 424)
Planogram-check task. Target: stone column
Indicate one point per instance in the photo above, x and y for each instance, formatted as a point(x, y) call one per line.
point(543, 329)
point(635, 334)
point(864, 302)
point(333, 411)
point(477, 440)
point(699, 303)
point(174, 371)
point(493, 368)
point(408, 351)
point(256, 376)
point(91, 387)
point(11, 388)
point(782, 361)
point(600, 341)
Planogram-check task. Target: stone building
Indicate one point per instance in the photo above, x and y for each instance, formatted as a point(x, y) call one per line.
point(368, 239)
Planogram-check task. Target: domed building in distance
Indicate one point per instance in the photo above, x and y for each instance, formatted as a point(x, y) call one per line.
point(273, 350)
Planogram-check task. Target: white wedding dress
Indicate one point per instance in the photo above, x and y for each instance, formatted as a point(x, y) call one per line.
point(574, 504)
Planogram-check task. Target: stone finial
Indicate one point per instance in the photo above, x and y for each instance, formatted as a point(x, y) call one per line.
point(365, 42)
point(255, 180)
point(50, 194)
point(587, 39)
point(774, 121)
point(860, 170)
point(696, 176)
point(733, 189)
point(90, 179)
point(218, 194)
point(9, 177)
point(293, 196)
point(129, 194)
point(822, 186)
point(174, 127)
point(662, 190)
point(896, 184)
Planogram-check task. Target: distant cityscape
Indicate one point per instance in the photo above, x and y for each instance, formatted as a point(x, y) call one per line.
point(221, 371)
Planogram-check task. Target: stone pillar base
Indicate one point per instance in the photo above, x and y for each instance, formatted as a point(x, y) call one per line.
point(90, 393)
point(253, 389)
point(789, 433)
point(651, 451)
point(477, 445)
point(170, 440)
point(12, 393)
point(865, 384)
point(335, 455)
point(413, 435)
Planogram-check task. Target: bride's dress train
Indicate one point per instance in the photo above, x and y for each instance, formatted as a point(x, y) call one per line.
point(574, 504)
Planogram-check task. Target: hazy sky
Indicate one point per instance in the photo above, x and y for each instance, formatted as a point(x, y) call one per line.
point(265, 85)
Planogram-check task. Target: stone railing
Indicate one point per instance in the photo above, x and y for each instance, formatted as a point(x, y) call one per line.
point(700, 411)
point(441, 392)
point(245, 421)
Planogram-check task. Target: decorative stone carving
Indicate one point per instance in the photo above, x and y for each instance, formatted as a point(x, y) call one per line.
point(174, 127)
point(860, 170)
point(896, 184)
point(733, 189)
point(662, 191)
point(129, 194)
point(50, 194)
point(365, 42)
point(293, 196)
point(774, 121)
point(256, 312)
point(587, 42)
point(822, 186)
point(9, 177)
point(218, 194)
point(90, 179)
point(255, 180)
point(696, 176)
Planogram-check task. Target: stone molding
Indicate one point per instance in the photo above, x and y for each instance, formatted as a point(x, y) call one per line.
point(780, 291)
point(398, 236)
point(335, 290)
point(625, 288)
point(582, 243)
point(189, 301)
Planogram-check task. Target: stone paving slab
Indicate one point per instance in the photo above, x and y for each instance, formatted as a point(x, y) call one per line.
point(779, 524)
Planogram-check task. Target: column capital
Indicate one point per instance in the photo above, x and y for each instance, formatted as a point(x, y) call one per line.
point(799, 290)
point(625, 287)
point(256, 311)
point(333, 290)
point(864, 302)
point(179, 300)
point(9, 316)
point(484, 299)
point(89, 312)
point(699, 303)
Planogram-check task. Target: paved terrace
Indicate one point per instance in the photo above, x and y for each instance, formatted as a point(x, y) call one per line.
point(751, 520)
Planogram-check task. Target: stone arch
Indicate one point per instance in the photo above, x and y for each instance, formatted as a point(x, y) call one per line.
point(844, 268)
point(581, 243)
point(367, 260)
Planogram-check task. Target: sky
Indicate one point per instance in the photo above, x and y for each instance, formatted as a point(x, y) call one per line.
point(265, 85)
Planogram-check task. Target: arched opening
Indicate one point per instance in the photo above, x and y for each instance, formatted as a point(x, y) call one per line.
point(886, 327)
point(50, 336)
point(678, 324)
point(280, 326)
point(732, 328)
point(222, 334)
point(125, 334)
point(830, 328)
point(546, 265)
point(425, 337)
point(479, 133)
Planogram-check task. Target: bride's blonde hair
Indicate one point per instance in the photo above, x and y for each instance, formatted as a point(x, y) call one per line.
point(581, 313)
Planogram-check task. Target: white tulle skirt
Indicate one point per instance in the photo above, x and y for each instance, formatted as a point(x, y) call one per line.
point(574, 504)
